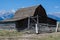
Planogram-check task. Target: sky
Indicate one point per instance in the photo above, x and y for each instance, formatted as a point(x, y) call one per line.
point(49, 5)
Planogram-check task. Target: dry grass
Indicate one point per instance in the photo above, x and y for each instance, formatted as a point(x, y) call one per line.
point(14, 35)
point(9, 33)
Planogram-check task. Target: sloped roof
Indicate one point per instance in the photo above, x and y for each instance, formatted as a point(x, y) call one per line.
point(27, 12)
point(22, 13)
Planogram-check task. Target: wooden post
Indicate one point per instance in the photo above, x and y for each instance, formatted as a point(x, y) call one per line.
point(37, 19)
point(36, 26)
point(57, 26)
point(28, 22)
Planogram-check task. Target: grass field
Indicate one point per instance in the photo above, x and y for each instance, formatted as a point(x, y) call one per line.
point(9, 33)
point(14, 35)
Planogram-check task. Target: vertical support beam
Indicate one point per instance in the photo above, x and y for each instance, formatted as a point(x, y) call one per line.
point(37, 19)
point(28, 22)
point(36, 27)
point(57, 26)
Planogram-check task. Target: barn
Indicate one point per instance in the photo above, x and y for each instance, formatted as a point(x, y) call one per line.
point(26, 18)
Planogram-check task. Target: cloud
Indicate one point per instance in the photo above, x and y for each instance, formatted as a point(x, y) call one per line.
point(13, 11)
point(7, 14)
point(56, 7)
point(57, 14)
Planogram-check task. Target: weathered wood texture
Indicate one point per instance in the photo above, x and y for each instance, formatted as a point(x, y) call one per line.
point(33, 11)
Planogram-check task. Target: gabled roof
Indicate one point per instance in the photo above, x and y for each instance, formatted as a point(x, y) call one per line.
point(22, 13)
point(27, 12)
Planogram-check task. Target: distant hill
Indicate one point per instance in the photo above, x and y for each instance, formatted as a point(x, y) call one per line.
point(6, 14)
point(55, 16)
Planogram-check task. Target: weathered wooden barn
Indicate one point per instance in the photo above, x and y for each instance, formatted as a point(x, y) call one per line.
point(28, 17)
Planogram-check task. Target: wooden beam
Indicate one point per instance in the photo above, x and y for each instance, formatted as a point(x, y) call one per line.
point(36, 28)
point(37, 25)
point(28, 22)
point(57, 26)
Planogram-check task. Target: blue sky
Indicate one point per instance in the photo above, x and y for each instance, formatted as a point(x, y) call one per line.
point(49, 5)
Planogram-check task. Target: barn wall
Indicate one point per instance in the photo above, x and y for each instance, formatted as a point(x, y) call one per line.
point(7, 25)
point(43, 18)
point(21, 24)
point(51, 21)
point(40, 11)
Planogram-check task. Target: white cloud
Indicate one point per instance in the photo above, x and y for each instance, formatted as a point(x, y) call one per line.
point(56, 7)
point(2, 12)
point(11, 11)
point(23, 7)
point(57, 14)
